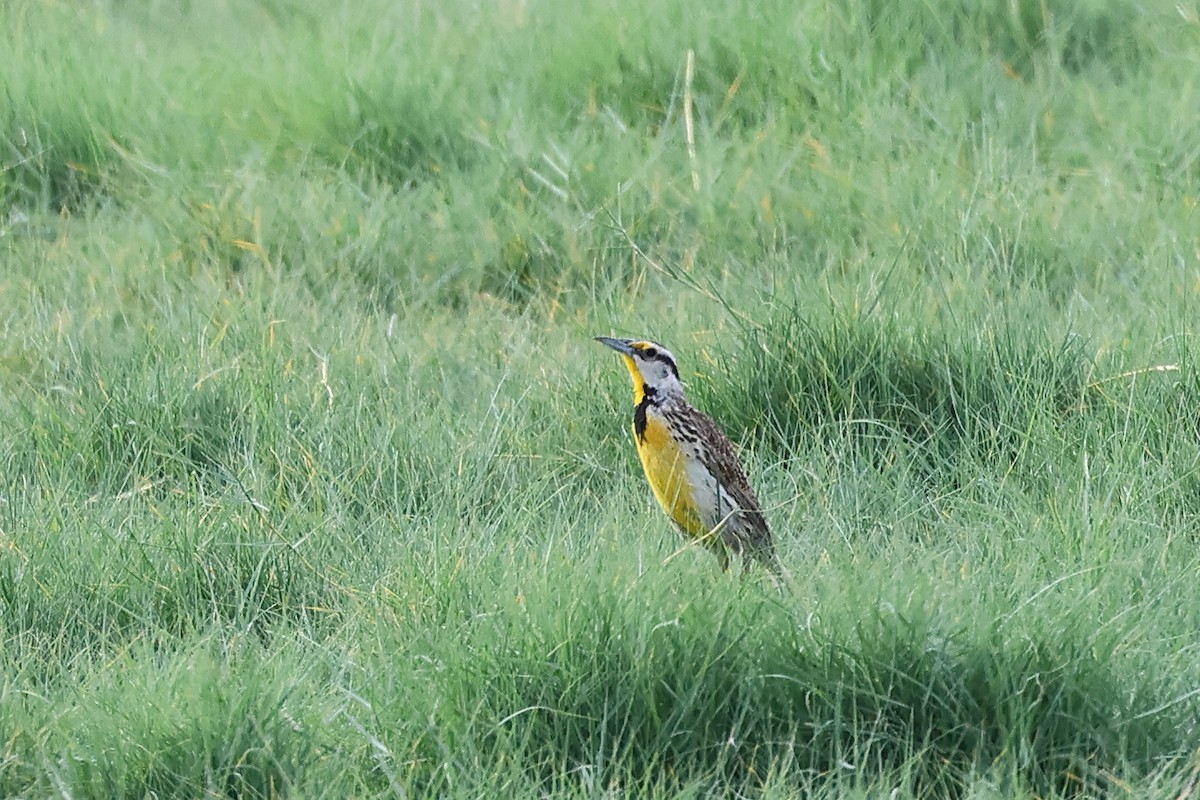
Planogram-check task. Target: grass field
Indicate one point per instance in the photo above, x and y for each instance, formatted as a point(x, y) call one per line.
point(316, 485)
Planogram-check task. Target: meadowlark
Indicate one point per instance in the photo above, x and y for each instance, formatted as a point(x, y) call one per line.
point(689, 462)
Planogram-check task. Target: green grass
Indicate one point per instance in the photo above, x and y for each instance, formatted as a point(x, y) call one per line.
point(315, 484)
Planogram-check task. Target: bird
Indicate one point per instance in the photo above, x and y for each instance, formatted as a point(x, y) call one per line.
point(690, 463)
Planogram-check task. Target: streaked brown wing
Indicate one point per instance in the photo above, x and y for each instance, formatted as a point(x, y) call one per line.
point(722, 461)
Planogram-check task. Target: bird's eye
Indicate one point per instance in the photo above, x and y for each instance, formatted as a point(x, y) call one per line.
point(650, 352)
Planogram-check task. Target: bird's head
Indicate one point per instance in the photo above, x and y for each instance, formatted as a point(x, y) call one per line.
point(651, 366)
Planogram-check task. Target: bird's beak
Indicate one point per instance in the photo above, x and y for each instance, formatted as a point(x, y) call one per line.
point(620, 345)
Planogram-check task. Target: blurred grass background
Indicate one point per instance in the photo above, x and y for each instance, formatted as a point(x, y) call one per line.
point(315, 484)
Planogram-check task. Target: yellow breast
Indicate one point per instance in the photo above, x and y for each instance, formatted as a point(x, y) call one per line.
point(666, 470)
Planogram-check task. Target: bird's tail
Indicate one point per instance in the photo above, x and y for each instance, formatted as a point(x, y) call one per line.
point(776, 571)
